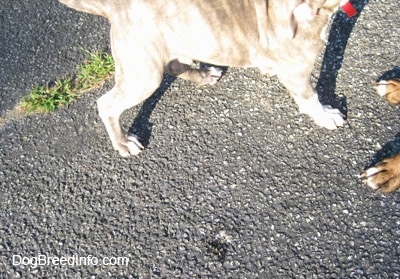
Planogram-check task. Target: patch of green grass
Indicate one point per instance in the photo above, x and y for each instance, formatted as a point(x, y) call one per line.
point(46, 98)
point(99, 68)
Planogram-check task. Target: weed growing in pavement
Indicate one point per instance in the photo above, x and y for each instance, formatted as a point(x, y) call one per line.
point(95, 71)
point(46, 98)
point(49, 97)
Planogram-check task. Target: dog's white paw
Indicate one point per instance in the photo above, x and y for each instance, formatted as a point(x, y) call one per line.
point(329, 118)
point(132, 147)
point(324, 116)
point(381, 87)
point(367, 177)
point(390, 89)
point(214, 74)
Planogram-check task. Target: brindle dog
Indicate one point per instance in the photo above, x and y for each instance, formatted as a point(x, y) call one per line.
point(151, 37)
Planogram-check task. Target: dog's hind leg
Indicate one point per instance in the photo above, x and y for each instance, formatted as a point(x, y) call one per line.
point(203, 76)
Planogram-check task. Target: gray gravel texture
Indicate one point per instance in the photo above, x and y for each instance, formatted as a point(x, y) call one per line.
point(233, 183)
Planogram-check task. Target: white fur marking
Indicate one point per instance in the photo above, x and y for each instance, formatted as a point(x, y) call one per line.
point(372, 184)
point(215, 74)
point(303, 12)
point(371, 171)
point(185, 60)
point(324, 116)
point(133, 145)
point(381, 88)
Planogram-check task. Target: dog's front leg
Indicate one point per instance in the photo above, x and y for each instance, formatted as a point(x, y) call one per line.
point(307, 99)
point(110, 107)
point(138, 73)
point(130, 89)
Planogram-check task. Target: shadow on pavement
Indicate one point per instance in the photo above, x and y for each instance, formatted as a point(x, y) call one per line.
point(340, 31)
point(391, 74)
point(141, 126)
point(388, 150)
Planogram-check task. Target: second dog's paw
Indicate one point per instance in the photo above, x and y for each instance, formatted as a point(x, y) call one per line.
point(384, 176)
point(390, 89)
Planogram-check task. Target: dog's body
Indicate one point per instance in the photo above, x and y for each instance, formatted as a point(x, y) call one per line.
point(385, 175)
point(148, 38)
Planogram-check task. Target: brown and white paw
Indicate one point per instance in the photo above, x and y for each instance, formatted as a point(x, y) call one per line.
point(390, 89)
point(384, 176)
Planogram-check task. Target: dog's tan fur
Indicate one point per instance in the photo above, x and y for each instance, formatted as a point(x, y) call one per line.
point(148, 38)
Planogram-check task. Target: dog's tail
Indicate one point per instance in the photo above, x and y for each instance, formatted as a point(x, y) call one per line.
point(96, 7)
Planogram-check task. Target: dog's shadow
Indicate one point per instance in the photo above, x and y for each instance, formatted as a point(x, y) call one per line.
point(141, 126)
point(388, 150)
point(391, 74)
point(340, 31)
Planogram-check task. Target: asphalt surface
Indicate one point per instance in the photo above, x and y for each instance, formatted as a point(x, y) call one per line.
point(233, 183)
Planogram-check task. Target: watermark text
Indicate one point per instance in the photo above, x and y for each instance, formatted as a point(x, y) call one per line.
point(74, 260)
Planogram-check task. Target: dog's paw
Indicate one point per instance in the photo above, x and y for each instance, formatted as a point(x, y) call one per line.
point(384, 176)
point(323, 115)
point(328, 117)
point(131, 147)
point(390, 89)
point(331, 118)
point(213, 75)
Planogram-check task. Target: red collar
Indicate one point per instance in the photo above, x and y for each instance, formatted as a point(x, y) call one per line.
point(349, 9)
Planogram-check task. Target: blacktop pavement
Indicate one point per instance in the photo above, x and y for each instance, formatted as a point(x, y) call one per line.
point(233, 183)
